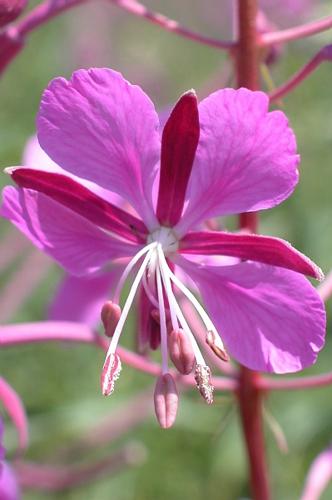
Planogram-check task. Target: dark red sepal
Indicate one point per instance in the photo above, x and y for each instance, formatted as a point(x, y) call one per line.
point(81, 200)
point(178, 147)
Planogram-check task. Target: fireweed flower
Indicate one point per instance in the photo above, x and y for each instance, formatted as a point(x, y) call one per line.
point(226, 155)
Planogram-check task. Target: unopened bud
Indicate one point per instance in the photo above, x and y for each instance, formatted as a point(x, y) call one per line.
point(203, 382)
point(166, 401)
point(214, 341)
point(180, 351)
point(110, 373)
point(110, 315)
point(10, 10)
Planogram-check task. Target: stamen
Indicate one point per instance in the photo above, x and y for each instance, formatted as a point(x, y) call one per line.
point(203, 382)
point(175, 306)
point(110, 373)
point(128, 269)
point(166, 400)
point(148, 292)
point(201, 311)
point(129, 302)
point(110, 315)
point(214, 341)
point(180, 351)
point(163, 328)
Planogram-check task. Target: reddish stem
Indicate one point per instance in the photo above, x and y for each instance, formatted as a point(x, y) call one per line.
point(297, 32)
point(250, 404)
point(249, 394)
point(298, 383)
point(325, 54)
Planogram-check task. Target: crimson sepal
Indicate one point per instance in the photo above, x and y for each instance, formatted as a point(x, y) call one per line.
point(265, 249)
point(178, 147)
point(81, 200)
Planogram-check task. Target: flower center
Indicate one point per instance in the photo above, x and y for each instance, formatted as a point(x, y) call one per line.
point(166, 237)
point(162, 286)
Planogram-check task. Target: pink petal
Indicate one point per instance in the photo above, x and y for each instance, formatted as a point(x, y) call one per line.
point(81, 200)
point(270, 319)
point(81, 299)
point(246, 158)
point(15, 409)
point(320, 474)
point(35, 157)
point(178, 148)
point(71, 240)
point(103, 129)
point(9, 488)
point(268, 250)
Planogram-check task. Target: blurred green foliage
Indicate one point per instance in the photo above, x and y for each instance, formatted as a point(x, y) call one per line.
point(203, 455)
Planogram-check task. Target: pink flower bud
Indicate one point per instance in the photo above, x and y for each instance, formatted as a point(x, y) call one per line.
point(110, 315)
point(10, 45)
point(110, 373)
point(166, 401)
point(180, 351)
point(10, 10)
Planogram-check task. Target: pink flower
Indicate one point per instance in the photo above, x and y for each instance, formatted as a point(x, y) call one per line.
point(226, 155)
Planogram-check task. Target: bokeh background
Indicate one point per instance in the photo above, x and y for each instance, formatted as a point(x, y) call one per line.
point(202, 456)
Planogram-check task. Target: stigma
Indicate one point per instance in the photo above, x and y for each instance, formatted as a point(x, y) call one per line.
point(153, 271)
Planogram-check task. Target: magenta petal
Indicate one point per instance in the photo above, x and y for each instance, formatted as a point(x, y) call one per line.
point(246, 158)
point(71, 240)
point(81, 200)
point(81, 299)
point(101, 128)
point(35, 157)
point(273, 251)
point(15, 409)
point(178, 148)
point(270, 319)
point(9, 488)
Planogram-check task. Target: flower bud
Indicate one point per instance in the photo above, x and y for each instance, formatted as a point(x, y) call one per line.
point(180, 351)
point(110, 315)
point(166, 401)
point(10, 10)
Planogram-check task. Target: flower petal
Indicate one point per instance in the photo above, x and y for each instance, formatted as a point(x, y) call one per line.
point(81, 299)
point(178, 147)
point(71, 240)
point(35, 157)
point(273, 251)
point(270, 319)
point(101, 128)
point(246, 158)
point(81, 200)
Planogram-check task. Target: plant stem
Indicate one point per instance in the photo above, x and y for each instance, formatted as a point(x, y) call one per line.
point(250, 399)
point(249, 394)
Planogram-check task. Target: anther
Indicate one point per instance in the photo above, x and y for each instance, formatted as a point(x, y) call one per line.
point(166, 400)
point(110, 373)
point(213, 340)
point(110, 315)
point(180, 351)
point(203, 382)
